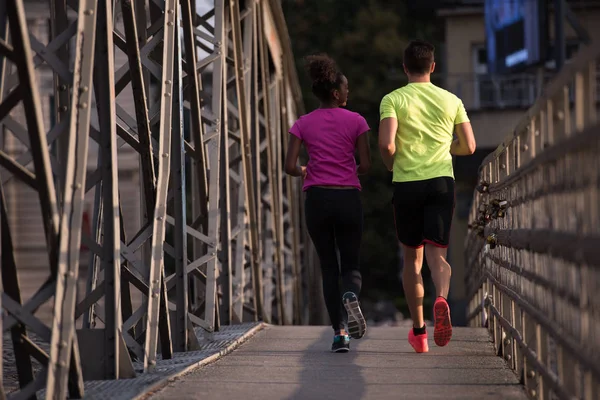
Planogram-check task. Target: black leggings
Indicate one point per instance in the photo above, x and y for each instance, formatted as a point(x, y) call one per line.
point(335, 217)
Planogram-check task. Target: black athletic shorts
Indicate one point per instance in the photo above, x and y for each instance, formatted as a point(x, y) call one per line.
point(423, 211)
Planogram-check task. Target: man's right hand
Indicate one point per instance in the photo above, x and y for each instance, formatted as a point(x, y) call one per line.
point(387, 141)
point(465, 144)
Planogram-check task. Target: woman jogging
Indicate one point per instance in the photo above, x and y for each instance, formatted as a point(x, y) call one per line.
point(333, 207)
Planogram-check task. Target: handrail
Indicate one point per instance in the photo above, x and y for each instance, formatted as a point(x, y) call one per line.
point(533, 248)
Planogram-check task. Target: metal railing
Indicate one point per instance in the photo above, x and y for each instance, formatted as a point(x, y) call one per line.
point(533, 248)
point(484, 91)
point(204, 101)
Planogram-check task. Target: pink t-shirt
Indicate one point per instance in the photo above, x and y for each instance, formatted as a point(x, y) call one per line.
point(330, 138)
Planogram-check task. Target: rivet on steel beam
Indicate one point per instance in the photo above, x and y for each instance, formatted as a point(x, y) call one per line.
point(167, 94)
point(63, 108)
point(170, 23)
point(88, 12)
point(532, 393)
point(152, 362)
point(83, 89)
point(63, 344)
point(508, 357)
point(77, 186)
point(62, 88)
point(154, 295)
point(560, 115)
point(160, 218)
point(170, 11)
point(537, 132)
point(165, 155)
point(168, 82)
point(524, 147)
point(83, 105)
point(503, 166)
point(531, 374)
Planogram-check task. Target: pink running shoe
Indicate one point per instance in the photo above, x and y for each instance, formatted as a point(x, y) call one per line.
point(419, 343)
point(442, 332)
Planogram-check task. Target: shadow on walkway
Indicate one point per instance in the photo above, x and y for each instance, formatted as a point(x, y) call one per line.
point(327, 375)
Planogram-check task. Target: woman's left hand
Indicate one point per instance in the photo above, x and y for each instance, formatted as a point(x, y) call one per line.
point(303, 172)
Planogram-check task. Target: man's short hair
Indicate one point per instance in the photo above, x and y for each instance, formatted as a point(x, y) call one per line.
point(418, 57)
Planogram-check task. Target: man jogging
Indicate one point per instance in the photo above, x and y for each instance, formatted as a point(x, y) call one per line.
point(416, 143)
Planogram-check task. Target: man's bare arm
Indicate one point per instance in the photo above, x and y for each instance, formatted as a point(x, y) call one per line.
point(387, 141)
point(465, 144)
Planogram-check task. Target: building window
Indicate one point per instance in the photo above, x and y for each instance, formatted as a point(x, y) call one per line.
point(479, 59)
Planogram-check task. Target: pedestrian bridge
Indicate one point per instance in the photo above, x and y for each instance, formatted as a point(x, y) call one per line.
point(294, 363)
point(147, 228)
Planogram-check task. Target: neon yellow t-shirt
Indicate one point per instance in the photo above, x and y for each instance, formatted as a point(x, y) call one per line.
point(426, 117)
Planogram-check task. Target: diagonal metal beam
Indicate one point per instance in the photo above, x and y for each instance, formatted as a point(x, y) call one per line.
point(272, 220)
point(105, 98)
point(59, 52)
point(6, 50)
point(8, 103)
point(180, 205)
point(236, 28)
point(225, 276)
point(139, 91)
point(155, 291)
point(213, 146)
point(32, 106)
point(10, 282)
point(63, 329)
point(197, 131)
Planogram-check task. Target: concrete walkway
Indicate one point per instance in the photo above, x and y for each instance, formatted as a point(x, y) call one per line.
point(295, 363)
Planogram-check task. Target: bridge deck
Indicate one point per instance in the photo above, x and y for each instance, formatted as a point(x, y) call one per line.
point(294, 363)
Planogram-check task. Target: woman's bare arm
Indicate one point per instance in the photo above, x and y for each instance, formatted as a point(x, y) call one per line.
point(291, 158)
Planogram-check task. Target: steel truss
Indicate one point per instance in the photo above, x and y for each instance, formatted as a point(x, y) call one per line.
point(204, 102)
